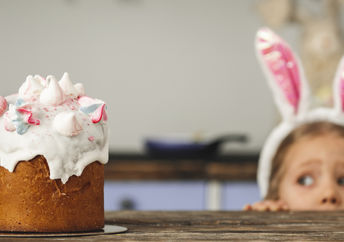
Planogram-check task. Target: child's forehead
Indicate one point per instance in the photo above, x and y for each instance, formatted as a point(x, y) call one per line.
point(316, 150)
point(316, 139)
point(337, 163)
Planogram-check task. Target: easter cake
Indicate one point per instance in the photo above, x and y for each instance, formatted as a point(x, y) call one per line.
point(53, 147)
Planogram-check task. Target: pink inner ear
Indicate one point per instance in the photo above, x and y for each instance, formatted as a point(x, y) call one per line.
point(342, 89)
point(280, 60)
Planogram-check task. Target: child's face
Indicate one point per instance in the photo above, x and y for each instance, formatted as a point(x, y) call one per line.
point(314, 174)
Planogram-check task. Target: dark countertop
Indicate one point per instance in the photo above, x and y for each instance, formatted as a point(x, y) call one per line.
point(140, 167)
point(221, 225)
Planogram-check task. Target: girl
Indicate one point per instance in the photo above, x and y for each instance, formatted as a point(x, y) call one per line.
point(301, 166)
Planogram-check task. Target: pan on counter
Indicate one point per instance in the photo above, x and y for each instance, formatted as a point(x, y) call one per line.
point(174, 148)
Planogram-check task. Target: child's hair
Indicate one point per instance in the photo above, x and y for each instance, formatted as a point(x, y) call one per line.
point(306, 130)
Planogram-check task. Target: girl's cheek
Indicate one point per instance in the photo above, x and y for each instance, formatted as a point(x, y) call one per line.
point(305, 192)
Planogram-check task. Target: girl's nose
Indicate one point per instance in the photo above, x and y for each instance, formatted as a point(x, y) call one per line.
point(330, 200)
point(331, 197)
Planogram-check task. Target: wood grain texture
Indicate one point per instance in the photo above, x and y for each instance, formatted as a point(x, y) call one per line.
point(221, 225)
point(179, 170)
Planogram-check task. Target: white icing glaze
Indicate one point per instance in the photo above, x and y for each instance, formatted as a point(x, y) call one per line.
point(7, 118)
point(56, 129)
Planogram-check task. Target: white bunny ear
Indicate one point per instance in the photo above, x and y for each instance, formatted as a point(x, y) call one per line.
point(338, 88)
point(284, 73)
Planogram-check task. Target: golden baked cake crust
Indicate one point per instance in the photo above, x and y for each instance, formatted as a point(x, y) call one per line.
point(32, 202)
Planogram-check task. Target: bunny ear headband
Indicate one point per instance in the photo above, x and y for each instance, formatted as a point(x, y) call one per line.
point(291, 93)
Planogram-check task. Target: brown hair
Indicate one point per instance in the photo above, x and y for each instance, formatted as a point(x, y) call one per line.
point(308, 129)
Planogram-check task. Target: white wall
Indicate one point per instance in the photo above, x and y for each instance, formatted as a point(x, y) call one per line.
point(162, 66)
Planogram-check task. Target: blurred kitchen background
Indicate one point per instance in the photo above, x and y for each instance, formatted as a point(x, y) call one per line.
point(177, 71)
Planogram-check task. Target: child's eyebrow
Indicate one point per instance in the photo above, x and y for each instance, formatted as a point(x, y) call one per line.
point(310, 163)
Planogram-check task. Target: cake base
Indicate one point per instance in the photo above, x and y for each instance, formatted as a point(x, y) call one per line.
point(108, 229)
point(31, 202)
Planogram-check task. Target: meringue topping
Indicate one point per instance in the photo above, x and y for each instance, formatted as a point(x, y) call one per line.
point(3, 105)
point(30, 89)
point(67, 124)
point(53, 94)
point(80, 89)
point(67, 86)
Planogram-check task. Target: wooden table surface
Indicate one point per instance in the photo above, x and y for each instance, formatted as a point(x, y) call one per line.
point(220, 225)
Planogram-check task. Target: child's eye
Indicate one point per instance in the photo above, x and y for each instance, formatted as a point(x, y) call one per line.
point(307, 180)
point(340, 181)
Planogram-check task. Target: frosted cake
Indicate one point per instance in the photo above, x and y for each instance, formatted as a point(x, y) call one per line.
point(53, 145)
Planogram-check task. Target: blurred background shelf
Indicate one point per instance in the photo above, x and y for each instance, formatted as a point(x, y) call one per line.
point(141, 182)
point(236, 167)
